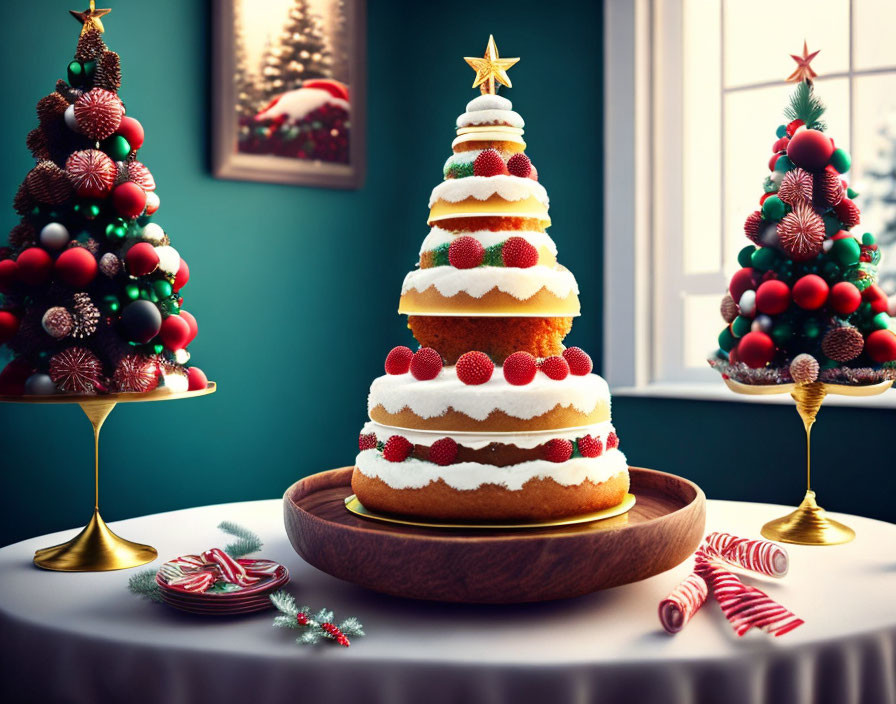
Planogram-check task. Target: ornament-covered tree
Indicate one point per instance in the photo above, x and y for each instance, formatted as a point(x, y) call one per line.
point(299, 54)
point(90, 286)
point(805, 305)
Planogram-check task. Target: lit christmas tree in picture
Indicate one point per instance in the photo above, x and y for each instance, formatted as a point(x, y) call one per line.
point(300, 53)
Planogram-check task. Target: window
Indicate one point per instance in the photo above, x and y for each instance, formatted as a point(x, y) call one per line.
point(694, 91)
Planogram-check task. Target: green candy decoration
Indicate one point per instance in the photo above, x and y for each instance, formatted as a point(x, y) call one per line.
point(741, 326)
point(117, 147)
point(727, 341)
point(846, 251)
point(881, 321)
point(162, 288)
point(763, 258)
point(111, 303)
point(781, 334)
point(75, 73)
point(841, 160)
point(169, 307)
point(116, 230)
point(851, 194)
point(811, 328)
point(158, 349)
point(773, 208)
point(132, 291)
point(783, 164)
point(745, 256)
point(781, 131)
point(868, 239)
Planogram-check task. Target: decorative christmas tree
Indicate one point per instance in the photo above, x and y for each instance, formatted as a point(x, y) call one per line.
point(89, 285)
point(300, 54)
point(247, 83)
point(806, 305)
point(340, 46)
point(879, 197)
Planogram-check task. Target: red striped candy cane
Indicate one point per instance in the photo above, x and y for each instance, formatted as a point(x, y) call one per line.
point(761, 556)
point(233, 571)
point(677, 609)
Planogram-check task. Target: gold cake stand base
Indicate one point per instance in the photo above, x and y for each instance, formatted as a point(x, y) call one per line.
point(808, 524)
point(97, 548)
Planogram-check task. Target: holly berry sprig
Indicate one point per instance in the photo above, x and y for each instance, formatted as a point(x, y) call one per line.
point(315, 627)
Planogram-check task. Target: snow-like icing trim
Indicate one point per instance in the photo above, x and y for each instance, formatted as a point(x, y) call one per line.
point(491, 117)
point(489, 102)
point(437, 237)
point(462, 158)
point(296, 104)
point(466, 476)
point(432, 398)
point(522, 284)
point(477, 441)
point(510, 188)
point(498, 134)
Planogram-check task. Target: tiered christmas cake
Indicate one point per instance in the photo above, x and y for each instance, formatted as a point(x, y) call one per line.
point(90, 286)
point(492, 418)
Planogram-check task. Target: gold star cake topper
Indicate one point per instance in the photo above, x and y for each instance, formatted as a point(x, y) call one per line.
point(90, 18)
point(803, 71)
point(490, 68)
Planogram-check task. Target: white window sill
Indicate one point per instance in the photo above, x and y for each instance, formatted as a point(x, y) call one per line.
point(707, 391)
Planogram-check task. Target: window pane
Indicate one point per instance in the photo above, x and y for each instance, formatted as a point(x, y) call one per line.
point(873, 22)
point(702, 120)
point(760, 36)
point(702, 323)
point(751, 117)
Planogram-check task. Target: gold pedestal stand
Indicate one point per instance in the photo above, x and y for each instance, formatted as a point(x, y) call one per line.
point(809, 524)
point(97, 548)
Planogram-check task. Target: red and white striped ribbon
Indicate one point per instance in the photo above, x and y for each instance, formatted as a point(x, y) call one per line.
point(761, 556)
point(198, 573)
point(684, 601)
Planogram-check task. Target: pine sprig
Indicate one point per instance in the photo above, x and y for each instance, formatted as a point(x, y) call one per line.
point(314, 627)
point(806, 106)
point(143, 584)
point(246, 541)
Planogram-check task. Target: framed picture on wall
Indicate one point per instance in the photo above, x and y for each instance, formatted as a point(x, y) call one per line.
point(288, 94)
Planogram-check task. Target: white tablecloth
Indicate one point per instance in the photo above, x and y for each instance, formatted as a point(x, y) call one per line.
point(84, 638)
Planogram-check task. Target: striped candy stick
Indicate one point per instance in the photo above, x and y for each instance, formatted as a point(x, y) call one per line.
point(677, 609)
point(232, 570)
point(195, 582)
point(761, 556)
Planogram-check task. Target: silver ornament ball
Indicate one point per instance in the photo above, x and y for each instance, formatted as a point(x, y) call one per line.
point(54, 235)
point(39, 385)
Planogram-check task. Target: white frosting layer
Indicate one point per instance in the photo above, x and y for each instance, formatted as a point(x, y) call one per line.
point(477, 441)
point(489, 102)
point(499, 134)
point(415, 474)
point(522, 284)
point(296, 104)
point(432, 398)
point(510, 188)
point(491, 117)
point(462, 158)
point(437, 237)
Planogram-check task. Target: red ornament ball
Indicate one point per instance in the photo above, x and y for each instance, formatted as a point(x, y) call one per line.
point(140, 174)
point(756, 349)
point(845, 298)
point(772, 161)
point(398, 361)
point(92, 173)
point(77, 267)
point(780, 145)
point(810, 149)
point(9, 326)
point(772, 297)
point(194, 327)
point(132, 131)
point(578, 360)
point(142, 259)
point(465, 253)
point(474, 368)
point(8, 274)
point(489, 163)
point(875, 295)
point(196, 379)
point(880, 346)
point(810, 292)
point(519, 253)
point(76, 370)
point(136, 374)
point(793, 126)
point(801, 232)
point(175, 332)
point(33, 266)
point(98, 113)
point(848, 213)
point(743, 280)
point(520, 368)
point(443, 452)
point(426, 364)
point(555, 367)
point(13, 376)
point(558, 450)
point(129, 199)
point(753, 227)
point(181, 277)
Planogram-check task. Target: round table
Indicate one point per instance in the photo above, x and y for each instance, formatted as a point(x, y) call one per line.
point(83, 637)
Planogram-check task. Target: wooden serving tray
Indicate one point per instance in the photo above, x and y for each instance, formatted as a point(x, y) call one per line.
point(492, 565)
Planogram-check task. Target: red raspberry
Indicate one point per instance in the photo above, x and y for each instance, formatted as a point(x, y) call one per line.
point(557, 450)
point(426, 364)
point(579, 362)
point(519, 165)
point(590, 446)
point(489, 163)
point(612, 441)
point(443, 452)
point(520, 368)
point(555, 367)
point(367, 442)
point(397, 449)
point(398, 361)
point(466, 253)
point(517, 252)
point(474, 368)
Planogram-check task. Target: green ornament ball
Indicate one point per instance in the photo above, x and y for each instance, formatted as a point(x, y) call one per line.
point(811, 328)
point(783, 164)
point(162, 288)
point(745, 256)
point(851, 194)
point(117, 147)
point(763, 258)
point(132, 291)
point(868, 239)
point(727, 341)
point(773, 208)
point(781, 334)
point(75, 74)
point(781, 131)
point(116, 230)
point(841, 160)
point(881, 321)
point(846, 251)
point(741, 326)
point(111, 303)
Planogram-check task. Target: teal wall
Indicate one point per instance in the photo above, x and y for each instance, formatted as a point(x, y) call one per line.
point(295, 289)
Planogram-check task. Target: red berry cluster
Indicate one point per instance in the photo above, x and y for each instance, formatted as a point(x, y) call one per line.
point(560, 450)
point(334, 631)
point(474, 368)
point(490, 163)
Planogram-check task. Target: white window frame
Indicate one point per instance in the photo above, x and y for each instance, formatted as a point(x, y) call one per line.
point(642, 80)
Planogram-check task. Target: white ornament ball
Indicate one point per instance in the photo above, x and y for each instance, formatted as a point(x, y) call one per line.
point(747, 303)
point(70, 120)
point(762, 323)
point(39, 385)
point(152, 202)
point(153, 234)
point(169, 259)
point(176, 382)
point(54, 235)
point(181, 356)
point(776, 177)
point(769, 236)
point(110, 265)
